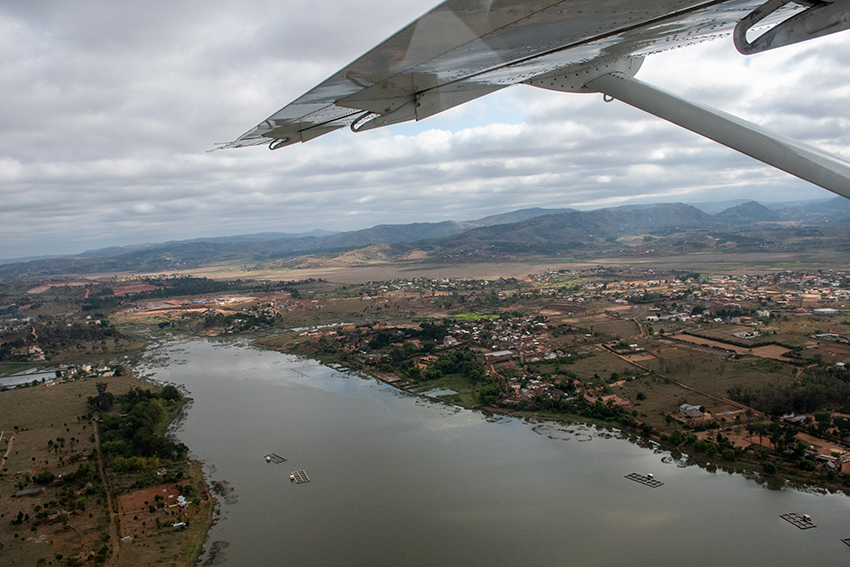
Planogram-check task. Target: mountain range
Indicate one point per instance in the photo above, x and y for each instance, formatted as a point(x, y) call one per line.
point(530, 231)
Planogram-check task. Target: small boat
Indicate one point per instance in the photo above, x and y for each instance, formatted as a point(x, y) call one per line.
point(268, 459)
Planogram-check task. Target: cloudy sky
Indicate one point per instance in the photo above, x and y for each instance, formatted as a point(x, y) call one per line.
point(107, 109)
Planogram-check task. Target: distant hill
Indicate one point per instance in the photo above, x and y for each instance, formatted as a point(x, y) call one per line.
point(518, 216)
point(533, 230)
point(553, 233)
point(747, 213)
point(188, 254)
point(836, 209)
point(714, 207)
point(262, 236)
point(25, 259)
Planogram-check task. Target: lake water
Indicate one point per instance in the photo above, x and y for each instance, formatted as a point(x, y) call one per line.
point(27, 377)
point(398, 480)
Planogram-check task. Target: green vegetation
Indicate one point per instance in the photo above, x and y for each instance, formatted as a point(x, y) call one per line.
point(134, 441)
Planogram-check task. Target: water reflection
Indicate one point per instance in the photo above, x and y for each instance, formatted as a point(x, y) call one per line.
point(398, 479)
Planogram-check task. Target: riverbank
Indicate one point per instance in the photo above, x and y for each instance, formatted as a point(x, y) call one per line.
point(398, 480)
point(726, 447)
point(57, 492)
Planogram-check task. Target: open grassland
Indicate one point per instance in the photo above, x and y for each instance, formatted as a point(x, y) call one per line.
point(622, 329)
point(716, 375)
point(595, 364)
point(41, 406)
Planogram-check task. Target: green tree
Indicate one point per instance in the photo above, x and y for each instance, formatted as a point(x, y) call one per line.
point(489, 393)
point(843, 425)
point(677, 438)
point(44, 478)
point(824, 420)
point(705, 446)
point(414, 373)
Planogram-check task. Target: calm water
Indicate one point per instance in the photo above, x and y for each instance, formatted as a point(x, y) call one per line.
point(400, 481)
point(27, 377)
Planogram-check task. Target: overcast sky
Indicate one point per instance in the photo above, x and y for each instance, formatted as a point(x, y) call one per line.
point(107, 109)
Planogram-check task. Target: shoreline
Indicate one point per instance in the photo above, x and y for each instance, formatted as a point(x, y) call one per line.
point(749, 469)
point(191, 551)
point(208, 521)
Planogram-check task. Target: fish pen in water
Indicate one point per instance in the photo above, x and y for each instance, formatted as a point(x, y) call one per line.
point(802, 521)
point(647, 480)
point(299, 477)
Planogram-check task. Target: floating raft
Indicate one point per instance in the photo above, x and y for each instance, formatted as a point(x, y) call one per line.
point(645, 480)
point(800, 521)
point(274, 458)
point(299, 477)
point(846, 541)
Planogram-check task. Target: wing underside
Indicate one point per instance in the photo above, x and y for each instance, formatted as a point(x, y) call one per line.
point(463, 49)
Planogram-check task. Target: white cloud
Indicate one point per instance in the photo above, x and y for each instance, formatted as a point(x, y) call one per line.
point(106, 110)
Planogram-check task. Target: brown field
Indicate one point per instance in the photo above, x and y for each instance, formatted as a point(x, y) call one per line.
point(837, 351)
point(601, 363)
point(622, 329)
point(708, 342)
point(771, 351)
point(661, 398)
point(134, 513)
point(45, 413)
point(638, 358)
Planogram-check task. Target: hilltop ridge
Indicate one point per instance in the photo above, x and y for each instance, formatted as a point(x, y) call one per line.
point(668, 226)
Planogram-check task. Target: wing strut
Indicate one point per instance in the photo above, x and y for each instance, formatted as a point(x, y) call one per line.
point(797, 158)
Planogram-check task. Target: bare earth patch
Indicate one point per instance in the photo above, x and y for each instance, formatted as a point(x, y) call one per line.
point(771, 351)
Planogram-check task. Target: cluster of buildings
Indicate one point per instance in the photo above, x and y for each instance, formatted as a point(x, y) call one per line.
point(800, 293)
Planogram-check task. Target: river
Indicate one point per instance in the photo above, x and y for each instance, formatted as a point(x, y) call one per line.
point(399, 480)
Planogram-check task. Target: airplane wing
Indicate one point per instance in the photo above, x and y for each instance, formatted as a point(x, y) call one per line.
point(465, 49)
